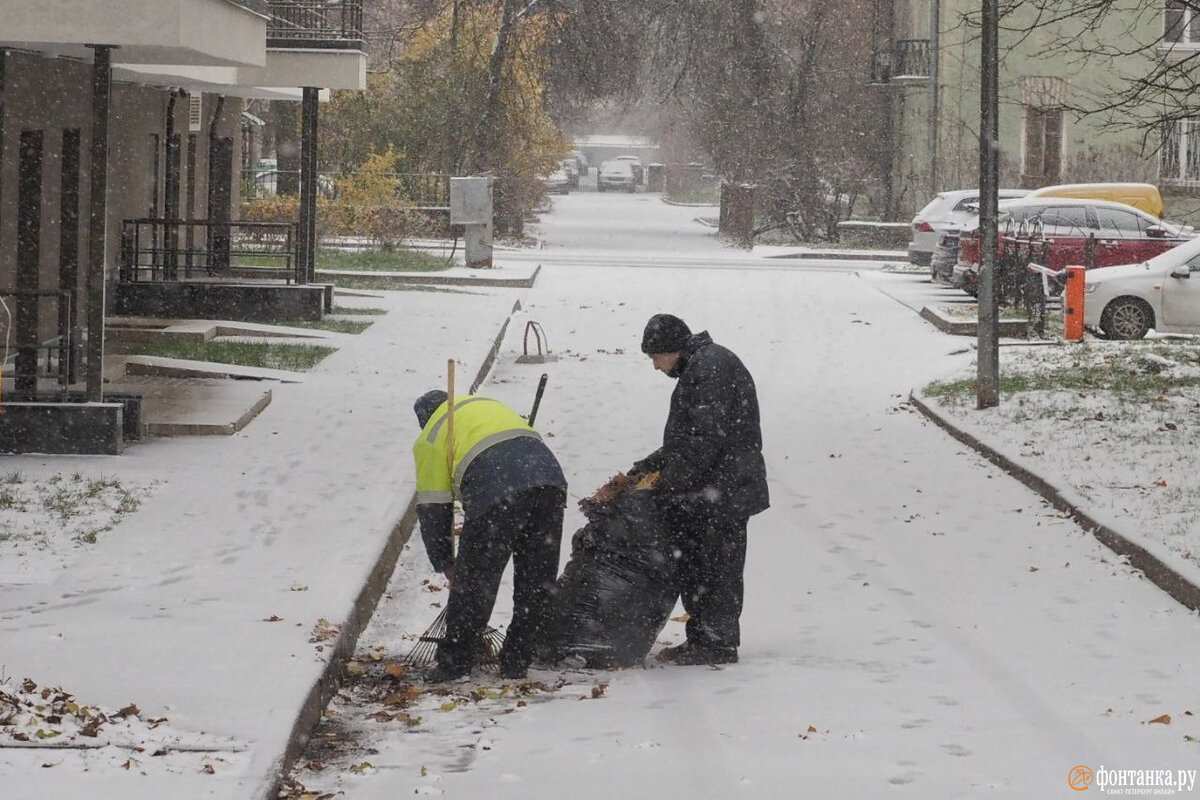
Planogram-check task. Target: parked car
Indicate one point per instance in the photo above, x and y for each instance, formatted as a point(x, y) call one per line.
point(950, 210)
point(616, 174)
point(639, 169)
point(557, 182)
point(945, 256)
point(1139, 195)
point(571, 167)
point(1162, 294)
point(1122, 234)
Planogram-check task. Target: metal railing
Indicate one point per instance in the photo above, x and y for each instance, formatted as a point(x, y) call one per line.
point(55, 358)
point(174, 250)
point(315, 24)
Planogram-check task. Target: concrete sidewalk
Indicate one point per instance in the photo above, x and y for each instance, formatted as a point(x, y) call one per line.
point(297, 519)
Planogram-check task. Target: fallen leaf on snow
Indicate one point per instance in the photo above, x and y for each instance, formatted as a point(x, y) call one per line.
point(1164, 719)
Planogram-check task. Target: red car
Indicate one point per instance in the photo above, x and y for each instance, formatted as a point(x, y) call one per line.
point(1123, 234)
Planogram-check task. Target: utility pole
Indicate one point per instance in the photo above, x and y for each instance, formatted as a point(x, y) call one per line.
point(988, 361)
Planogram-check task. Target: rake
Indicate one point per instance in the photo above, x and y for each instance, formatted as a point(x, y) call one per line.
point(424, 654)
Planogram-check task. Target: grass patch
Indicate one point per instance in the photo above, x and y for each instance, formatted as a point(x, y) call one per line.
point(1130, 372)
point(295, 357)
point(1094, 379)
point(335, 325)
point(349, 311)
point(387, 285)
point(710, 197)
point(381, 261)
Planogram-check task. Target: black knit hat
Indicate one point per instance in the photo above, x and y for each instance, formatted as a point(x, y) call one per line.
point(428, 403)
point(665, 333)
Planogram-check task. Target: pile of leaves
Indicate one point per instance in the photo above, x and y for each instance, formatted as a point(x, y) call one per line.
point(52, 716)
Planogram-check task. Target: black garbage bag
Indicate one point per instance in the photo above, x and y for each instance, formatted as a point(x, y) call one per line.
point(616, 592)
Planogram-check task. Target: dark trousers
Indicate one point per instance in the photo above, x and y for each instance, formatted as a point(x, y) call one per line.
point(709, 575)
point(529, 528)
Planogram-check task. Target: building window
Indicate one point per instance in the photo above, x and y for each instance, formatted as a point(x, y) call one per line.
point(1043, 146)
point(1179, 158)
point(1181, 23)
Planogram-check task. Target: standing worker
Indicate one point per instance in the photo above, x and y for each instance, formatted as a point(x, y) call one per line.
point(513, 493)
point(712, 479)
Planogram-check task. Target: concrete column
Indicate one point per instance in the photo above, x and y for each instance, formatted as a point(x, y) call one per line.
point(307, 234)
point(98, 219)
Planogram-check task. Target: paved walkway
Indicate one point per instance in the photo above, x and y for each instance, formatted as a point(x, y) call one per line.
point(286, 519)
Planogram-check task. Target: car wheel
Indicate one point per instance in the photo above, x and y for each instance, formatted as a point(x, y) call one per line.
point(1127, 318)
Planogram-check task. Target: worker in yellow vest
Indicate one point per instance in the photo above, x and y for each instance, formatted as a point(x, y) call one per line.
point(513, 492)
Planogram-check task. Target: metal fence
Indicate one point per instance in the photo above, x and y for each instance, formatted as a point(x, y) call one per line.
point(429, 190)
point(33, 359)
point(172, 250)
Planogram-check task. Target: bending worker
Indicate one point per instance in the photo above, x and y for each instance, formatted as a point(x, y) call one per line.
point(513, 492)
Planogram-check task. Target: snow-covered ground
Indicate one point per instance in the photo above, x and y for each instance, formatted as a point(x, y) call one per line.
point(917, 623)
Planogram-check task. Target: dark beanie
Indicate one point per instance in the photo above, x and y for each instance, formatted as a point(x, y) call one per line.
point(428, 403)
point(665, 333)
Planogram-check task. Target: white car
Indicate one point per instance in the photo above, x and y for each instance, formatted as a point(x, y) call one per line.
point(617, 174)
point(947, 211)
point(1162, 294)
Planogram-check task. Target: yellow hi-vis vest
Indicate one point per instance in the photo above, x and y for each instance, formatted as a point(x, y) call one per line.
point(479, 423)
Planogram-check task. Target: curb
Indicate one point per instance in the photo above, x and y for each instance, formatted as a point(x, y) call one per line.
point(1157, 571)
point(361, 612)
point(434, 280)
point(1008, 328)
point(679, 204)
point(841, 255)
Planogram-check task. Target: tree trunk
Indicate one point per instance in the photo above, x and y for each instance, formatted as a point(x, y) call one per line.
point(485, 137)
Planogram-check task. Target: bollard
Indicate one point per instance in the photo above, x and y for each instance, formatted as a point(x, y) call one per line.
point(1073, 304)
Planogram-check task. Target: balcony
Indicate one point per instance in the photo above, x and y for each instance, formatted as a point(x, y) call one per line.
point(315, 24)
point(190, 32)
point(907, 61)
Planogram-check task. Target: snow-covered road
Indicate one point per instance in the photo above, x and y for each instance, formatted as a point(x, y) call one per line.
point(917, 623)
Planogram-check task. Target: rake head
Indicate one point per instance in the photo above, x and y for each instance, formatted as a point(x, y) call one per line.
point(424, 653)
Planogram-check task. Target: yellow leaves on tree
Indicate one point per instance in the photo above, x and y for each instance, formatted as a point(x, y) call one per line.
point(532, 144)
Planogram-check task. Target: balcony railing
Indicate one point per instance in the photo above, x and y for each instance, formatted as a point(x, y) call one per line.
point(908, 59)
point(315, 24)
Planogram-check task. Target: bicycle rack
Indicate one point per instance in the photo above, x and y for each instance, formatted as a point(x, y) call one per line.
point(541, 342)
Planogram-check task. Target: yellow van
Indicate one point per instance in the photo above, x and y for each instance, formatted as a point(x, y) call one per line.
point(1139, 195)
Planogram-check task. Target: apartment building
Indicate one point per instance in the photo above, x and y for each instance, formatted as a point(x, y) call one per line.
point(116, 111)
point(927, 59)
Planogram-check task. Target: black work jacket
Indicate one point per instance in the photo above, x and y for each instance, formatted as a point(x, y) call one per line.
point(711, 459)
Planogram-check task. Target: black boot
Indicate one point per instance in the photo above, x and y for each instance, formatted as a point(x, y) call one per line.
point(688, 654)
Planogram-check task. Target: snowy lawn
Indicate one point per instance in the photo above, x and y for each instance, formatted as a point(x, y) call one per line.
point(1116, 422)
